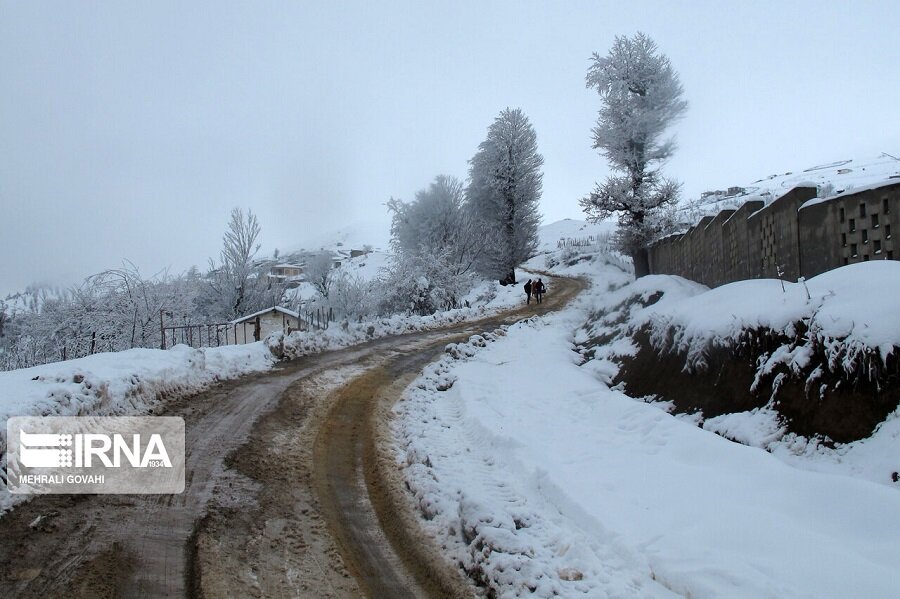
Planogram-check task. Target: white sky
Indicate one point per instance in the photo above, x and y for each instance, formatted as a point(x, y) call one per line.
point(129, 130)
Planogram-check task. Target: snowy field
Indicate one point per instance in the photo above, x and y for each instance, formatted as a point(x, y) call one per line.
point(540, 480)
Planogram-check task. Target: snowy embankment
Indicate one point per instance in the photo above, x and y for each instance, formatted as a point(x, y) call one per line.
point(118, 384)
point(760, 363)
point(850, 311)
point(537, 478)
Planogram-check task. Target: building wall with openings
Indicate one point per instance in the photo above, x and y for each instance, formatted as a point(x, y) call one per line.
point(795, 235)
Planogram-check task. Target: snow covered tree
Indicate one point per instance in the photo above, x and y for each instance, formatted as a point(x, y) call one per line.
point(320, 272)
point(419, 284)
point(641, 98)
point(437, 224)
point(505, 183)
point(238, 285)
point(351, 296)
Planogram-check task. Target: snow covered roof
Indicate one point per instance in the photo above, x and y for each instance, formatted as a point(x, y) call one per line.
point(266, 311)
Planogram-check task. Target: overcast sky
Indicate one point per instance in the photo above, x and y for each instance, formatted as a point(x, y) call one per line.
point(130, 129)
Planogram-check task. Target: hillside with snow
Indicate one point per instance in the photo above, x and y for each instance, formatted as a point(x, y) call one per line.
point(832, 178)
point(374, 233)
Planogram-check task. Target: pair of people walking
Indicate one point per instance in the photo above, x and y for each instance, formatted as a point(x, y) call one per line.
point(535, 288)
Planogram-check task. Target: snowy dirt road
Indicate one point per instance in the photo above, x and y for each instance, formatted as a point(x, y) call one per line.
point(282, 494)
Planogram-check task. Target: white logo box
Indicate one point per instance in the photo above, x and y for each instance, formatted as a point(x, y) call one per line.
point(84, 454)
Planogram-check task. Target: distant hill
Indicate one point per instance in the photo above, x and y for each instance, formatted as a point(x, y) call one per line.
point(568, 228)
point(354, 235)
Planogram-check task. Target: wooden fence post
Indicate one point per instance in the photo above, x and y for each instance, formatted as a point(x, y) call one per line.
point(162, 331)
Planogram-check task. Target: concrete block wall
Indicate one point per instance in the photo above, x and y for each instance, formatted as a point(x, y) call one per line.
point(801, 235)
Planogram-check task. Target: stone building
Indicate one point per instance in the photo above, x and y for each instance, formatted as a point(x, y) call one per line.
point(795, 235)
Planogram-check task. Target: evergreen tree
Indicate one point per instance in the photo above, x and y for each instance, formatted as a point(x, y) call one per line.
point(505, 183)
point(641, 98)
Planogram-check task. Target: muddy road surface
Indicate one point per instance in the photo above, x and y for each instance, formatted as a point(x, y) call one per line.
point(283, 495)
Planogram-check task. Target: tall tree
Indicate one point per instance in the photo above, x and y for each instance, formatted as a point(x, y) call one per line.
point(641, 98)
point(505, 183)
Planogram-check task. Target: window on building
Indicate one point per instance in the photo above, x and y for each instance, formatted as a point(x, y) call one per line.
point(862, 210)
point(843, 240)
point(887, 231)
point(853, 250)
point(852, 225)
point(874, 221)
point(876, 245)
point(866, 258)
point(843, 215)
point(885, 206)
point(846, 260)
point(865, 236)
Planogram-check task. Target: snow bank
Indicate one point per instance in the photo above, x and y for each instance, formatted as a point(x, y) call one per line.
point(119, 383)
point(539, 481)
point(855, 305)
point(850, 314)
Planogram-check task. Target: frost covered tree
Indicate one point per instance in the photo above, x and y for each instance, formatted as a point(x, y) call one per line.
point(437, 242)
point(418, 284)
point(111, 311)
point(320, 272)
point(505, 183)
point(437, 224)
point(350, 296)
point(238, 285)
point(641, 98)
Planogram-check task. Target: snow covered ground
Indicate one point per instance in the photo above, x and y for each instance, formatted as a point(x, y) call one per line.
point(540, 480)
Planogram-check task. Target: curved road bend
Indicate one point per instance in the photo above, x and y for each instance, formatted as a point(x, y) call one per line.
point(278, 497)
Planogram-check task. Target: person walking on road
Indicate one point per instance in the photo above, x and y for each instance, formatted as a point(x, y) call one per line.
point(538, 289)
point(528, 291)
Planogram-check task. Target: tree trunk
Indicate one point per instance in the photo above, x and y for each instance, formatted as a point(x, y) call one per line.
point(641, 259)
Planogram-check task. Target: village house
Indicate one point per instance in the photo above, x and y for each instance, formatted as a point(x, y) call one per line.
point(291, 274)
point(259, 325)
